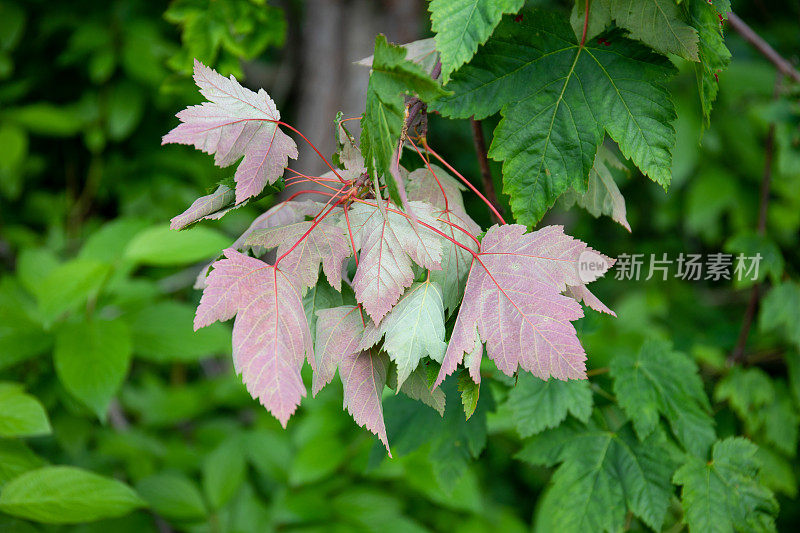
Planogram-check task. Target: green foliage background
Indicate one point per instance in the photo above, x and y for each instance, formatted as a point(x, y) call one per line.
point(102, 378)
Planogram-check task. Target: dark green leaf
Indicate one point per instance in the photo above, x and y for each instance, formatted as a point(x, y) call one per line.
point(538, 405)
point(557, 100)
point(659, 381)
point(723, 495)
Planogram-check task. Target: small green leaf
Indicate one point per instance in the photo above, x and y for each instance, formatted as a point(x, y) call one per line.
point(92, 360)
point(780, 310)
point(320, 296)
point(470, 392)
point(21, 335)
point(174, 496)
point(715, 57)
point(724, 494)
point(538, 405)
point(414, 328)
point(21, 415)
point(159, 246)
point(67, 495)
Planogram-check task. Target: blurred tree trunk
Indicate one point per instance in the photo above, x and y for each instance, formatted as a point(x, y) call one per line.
point(335, 33)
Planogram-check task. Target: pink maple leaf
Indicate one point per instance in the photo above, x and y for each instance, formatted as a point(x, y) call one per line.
point(339, 332)
point(388, 242)
point(514, 303)
point(363, 372)
point(236, 123)
point(364, 377)
point(279, 215)
point(325, 243)
point(271, 336)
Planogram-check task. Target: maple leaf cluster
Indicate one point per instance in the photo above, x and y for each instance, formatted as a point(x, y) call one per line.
point(394, 271)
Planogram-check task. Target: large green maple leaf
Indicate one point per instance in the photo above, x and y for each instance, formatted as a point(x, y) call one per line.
point(602, 474)
point(557, 99)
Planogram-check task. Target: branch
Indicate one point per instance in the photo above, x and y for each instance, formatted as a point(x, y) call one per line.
point(763, 47)
point(738, 354)
point(486, 172)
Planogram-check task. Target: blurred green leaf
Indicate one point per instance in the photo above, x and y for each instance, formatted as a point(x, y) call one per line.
point(21, 415)
point(21, 335)
point(13, 152)
point(92, 359)
point(160, 246)
point(224, 471)
point(66, 495)
point(125, 109)
point(780, 310)
point(174, 496)
point(12, 25)
point(69, 285)
point(45, 118)
point(163, 332)
point(15, 459)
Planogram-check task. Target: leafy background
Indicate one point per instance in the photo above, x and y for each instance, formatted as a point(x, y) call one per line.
point(108, 400)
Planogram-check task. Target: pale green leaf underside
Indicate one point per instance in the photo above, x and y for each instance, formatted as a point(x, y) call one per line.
point(463, 25)
point(557, 100)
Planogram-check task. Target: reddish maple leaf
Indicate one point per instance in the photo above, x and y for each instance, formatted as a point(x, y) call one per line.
point(514, 301)
point(270, 335)
point(323, 243)
point(364, 377)
point(279, 215)
point(236, 123)
point(388, 242)
point(339, 332)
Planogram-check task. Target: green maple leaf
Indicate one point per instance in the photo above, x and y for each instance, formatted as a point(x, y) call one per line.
point(660, 382)
point(557, 99)
point(723, 495)
point(463, 25)
point(537, 404)
point(603, 474)
point(392, 77)
point(657, 23)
